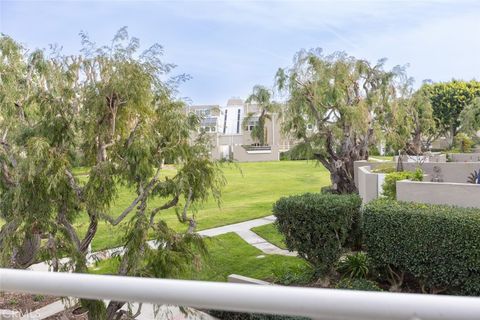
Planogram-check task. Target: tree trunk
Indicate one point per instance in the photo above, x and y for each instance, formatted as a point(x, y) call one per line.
point(452, 133)
point(342, 180)
point(26, 254)
point(342, 171)
point(416, 146)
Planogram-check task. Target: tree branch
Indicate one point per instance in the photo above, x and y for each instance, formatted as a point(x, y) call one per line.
point(73, 184)
point(141, 196)
point(165, 206)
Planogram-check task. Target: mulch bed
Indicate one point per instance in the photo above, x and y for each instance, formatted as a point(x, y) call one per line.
point(24, 302)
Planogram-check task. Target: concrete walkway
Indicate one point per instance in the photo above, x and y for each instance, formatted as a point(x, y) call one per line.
point(242, 229)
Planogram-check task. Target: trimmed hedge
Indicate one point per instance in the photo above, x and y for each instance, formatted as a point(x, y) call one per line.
point(438, 245)
point(318, 226)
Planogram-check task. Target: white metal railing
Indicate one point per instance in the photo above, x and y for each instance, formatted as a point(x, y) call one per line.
point(308, 302)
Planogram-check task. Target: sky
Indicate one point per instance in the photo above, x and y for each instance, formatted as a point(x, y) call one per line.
point(227, 47)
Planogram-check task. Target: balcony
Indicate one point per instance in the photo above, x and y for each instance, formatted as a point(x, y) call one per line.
point(325, 304)
point(257, 149)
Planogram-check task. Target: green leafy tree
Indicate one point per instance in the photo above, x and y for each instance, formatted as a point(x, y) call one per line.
point(262, 97)
point(470, 118)
point(348, 101)
point(112, 105)
point(412, 125)
point(448, 99)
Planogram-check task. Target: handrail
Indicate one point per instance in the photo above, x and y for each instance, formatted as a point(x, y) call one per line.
point(294, 301)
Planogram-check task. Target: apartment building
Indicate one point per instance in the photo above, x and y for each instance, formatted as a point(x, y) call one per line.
point(231, 137)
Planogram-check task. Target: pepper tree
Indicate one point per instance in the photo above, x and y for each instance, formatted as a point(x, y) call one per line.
point(112, 109)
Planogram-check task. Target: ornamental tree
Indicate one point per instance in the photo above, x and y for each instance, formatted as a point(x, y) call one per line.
point(411, 126)
point(114, 108)
point(448, 99)
point(350, 103)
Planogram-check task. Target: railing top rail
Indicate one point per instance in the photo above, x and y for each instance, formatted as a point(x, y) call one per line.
point(308, 302)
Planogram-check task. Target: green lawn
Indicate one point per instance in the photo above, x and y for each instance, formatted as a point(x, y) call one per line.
point(387, 158)
point(270, 233)
point(251, 190)
point(229, 254)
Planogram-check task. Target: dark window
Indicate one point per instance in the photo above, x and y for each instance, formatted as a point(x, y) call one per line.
point(225, 122)
point(238, 121)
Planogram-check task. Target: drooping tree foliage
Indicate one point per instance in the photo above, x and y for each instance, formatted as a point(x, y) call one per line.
point(411, 126)
point(350, 103)
point(262, 97)
point(448, 99)
point(115, 108)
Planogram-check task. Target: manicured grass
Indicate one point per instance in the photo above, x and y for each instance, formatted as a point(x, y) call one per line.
point(270, 233)
point(251, 190)
point(228, 254)
point(388, 158)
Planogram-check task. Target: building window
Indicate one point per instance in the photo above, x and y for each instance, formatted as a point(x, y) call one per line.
point(208, 128)
point(251, 124)
point(238, 121)
point(203, 112)
point(225, 122)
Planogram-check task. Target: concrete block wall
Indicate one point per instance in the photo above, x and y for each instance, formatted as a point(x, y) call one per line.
point(465, 157)
point(447, 193)
point(457, 172)
point(367, 184)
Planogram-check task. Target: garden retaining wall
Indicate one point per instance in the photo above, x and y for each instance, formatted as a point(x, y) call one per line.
point(457, 194)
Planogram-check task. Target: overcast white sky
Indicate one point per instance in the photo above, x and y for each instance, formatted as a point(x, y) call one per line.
point(229, 46)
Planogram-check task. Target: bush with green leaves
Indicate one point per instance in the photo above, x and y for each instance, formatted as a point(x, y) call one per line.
point(463, 143)
point(437, 245)
point(354, 266)
point(390, 184)
point(298, 276)
point(357, 284)
point(318, 226)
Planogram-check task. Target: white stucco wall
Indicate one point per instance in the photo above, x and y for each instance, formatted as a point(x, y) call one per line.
point(458, 194)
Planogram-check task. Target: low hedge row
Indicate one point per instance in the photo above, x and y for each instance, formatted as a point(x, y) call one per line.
point(318, 226)
point(437, 245)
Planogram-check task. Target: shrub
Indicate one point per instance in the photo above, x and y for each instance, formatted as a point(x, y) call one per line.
point(327, 189)
point(390, 184)
point(462, 142)
point(438, 245)
point(318, 226)
point(300, 275)
point(354, 266)
point(373, 150)
point(357, 284)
